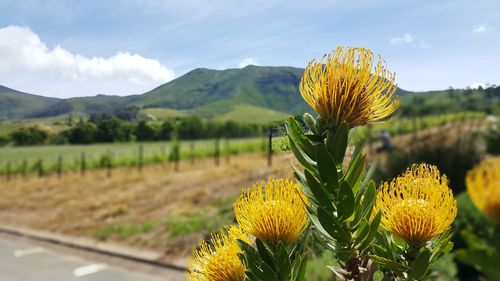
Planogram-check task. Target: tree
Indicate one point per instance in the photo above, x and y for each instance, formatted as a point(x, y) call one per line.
point(82, 133)
point(112, 129)
point(191, 128)
point(29, 136)
point(144, 132)
point(166, 130)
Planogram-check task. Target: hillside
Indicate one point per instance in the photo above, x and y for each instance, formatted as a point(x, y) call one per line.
point(219, 94)
point(211, 93)
point(17, 105)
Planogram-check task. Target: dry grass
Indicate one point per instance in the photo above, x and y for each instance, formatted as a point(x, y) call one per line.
point(138, 203)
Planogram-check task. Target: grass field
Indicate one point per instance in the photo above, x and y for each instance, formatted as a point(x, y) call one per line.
point(241, 113)
point(163, 113)
point(123, 154)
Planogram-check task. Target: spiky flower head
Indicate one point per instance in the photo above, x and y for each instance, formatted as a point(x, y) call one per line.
point(483, 186)
point(346, 86)
point(418, 205)
point(273, 211)
point(218, 260)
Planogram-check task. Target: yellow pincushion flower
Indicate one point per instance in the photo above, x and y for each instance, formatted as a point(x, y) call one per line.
point(418, 205)
point(483, 186)
point(344, 87)
point(273, 212)
point(218, 260)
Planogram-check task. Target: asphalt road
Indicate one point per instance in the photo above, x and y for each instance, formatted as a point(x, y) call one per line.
point(26, 261)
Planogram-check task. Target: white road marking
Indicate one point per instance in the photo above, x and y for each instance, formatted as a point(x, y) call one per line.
point(89, 269)
point(23, 252)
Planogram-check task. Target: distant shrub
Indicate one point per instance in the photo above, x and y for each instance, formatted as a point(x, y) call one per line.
point(29, 136)
point(4, 140)
point(58, 139)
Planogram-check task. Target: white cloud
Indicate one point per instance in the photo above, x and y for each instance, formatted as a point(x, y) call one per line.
point(481, 28)
point(424, 44)
point(404, 39)
point(247, 61)
point(22, 52)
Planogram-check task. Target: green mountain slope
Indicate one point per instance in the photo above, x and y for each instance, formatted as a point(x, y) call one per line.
point(214, 92)
point(17, 105)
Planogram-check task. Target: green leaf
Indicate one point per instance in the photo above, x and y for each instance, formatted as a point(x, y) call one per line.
point(356, 165)
point(301, 180)
point(332, 226)
point(307, 162)
point(373, 231)
point(354, 171)
point(388, 264)
point(256, 268)
point(362, 233)
point(299, 269)
point(442, 245)
point(264, 253)
point(368, 176)
point(337, 142)
point(282, 261)
point(369, 198)
point(364, 202)
point(294, 130)
point(327, 168)
point(420, 265)
point(250, 254)
point(345, 206)
point(318, 191)
point(314, 219)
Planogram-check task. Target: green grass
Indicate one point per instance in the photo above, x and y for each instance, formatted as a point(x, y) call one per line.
point(123, 231)
point(211, 218)
point(123, 154)
point(50, 124)
point(164, 113)
point(259, 115)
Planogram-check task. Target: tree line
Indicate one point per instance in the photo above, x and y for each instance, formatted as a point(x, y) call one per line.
point(104, 129)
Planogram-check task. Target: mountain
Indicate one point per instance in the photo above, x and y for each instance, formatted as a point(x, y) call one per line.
point(267, 93)
point(212, 93)
point(17, 105)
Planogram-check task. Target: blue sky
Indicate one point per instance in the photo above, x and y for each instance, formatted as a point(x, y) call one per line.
point(79, 48)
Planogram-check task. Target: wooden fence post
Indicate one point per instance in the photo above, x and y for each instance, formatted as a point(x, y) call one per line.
point(9, 170)
point(59, 165)
point(217, 151)
point(163, 153)
point(270, 147)
point(24, 168)
point(140, 156)
point(83, 163)
point(109, 164)
point(192, 151)
point(227, 149)
point(39, 167)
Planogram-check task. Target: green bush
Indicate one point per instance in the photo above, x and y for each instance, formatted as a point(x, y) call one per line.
point(29, 136)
